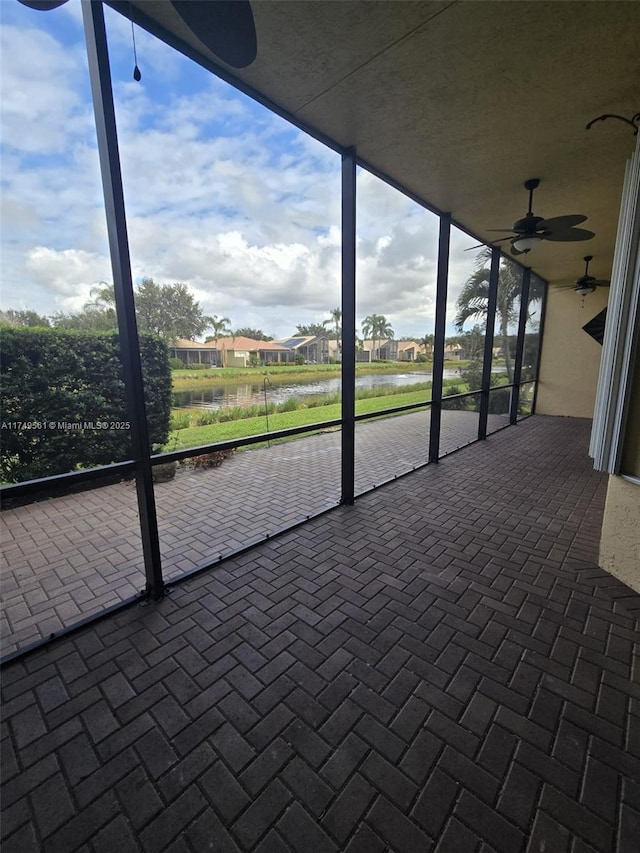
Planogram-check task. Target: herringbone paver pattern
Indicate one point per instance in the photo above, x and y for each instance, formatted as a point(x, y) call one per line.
point(68, 557)
point(440, 668)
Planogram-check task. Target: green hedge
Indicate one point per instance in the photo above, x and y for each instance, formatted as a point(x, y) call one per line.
point(56, 384)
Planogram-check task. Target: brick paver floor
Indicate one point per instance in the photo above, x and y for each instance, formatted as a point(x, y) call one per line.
point(72, 556)
point(441, 667)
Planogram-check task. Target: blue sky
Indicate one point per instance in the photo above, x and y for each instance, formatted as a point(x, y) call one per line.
point(220, 193)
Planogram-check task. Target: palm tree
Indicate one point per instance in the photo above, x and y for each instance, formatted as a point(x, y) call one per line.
point(385, 329)
point(427, 342)
point(377, 327)
point(474, 300)
point(102, 296)
point(336, 319)
point(100, 312)
point(369, 326)
point(220, 326)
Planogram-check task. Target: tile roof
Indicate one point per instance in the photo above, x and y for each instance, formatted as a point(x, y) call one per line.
point(242, 343)
point(184, 343)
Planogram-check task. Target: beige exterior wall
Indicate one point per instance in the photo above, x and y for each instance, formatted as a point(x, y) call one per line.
point(237, 359)
point(631, 446)
point(570, 357)
point(620, 538)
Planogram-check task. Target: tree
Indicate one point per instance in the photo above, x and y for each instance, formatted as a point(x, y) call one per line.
point(169, 310)
point(254, 334)
point(427, 342)
point(102, 296)
point(23, 318)
point(100, 312)
point(97, 315)
point(474, 300)
point(220, 326)
point(385, 330)
point(472, 344)
point(376, 327)
point(90, 319)
point(336, 319)
point(369, 330)
point(311, 329)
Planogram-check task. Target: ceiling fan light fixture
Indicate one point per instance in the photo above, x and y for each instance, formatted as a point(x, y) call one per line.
point(526, 242)
point(584, 289)
point(530, 230)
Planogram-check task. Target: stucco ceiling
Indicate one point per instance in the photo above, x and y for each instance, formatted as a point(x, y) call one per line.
point(460, 102)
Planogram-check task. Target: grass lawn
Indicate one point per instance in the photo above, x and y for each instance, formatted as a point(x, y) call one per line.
point(196, 436)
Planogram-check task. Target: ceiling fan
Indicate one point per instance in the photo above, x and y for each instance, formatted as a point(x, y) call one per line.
point(225, 27)
point(531, 230)
point(586, 283)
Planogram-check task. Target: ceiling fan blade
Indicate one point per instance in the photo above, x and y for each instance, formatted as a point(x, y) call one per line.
point(43, 5)
point(559, 223)
point(489, 244)
point(501, 229)
point(225, 27)
point(571, 235)
point(589, 282)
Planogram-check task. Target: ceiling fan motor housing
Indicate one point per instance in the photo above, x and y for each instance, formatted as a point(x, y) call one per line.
point(528, 224)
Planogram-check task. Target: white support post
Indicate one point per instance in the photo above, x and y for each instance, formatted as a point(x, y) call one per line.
point(622, 330)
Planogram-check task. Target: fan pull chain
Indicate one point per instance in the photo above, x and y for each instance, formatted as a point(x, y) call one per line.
point(137, 76)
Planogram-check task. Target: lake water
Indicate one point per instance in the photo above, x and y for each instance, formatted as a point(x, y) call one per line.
point(252, 393)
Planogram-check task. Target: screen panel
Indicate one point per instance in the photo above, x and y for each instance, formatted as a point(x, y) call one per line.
point(67, 553)
point(396, 268)
point(466, 322)
point(234, 225)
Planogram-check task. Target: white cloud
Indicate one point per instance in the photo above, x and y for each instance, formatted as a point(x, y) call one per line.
point(67, 275)
point(41, 106)
point(220, 194)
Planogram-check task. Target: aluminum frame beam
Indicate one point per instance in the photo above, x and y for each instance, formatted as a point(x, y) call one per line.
point(444, 241)
point(102, 94)
point(522, 328)
point(348, 325)
point(494, 276)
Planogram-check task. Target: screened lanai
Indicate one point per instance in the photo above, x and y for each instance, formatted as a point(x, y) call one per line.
point(66, 564)
point(388, 630)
